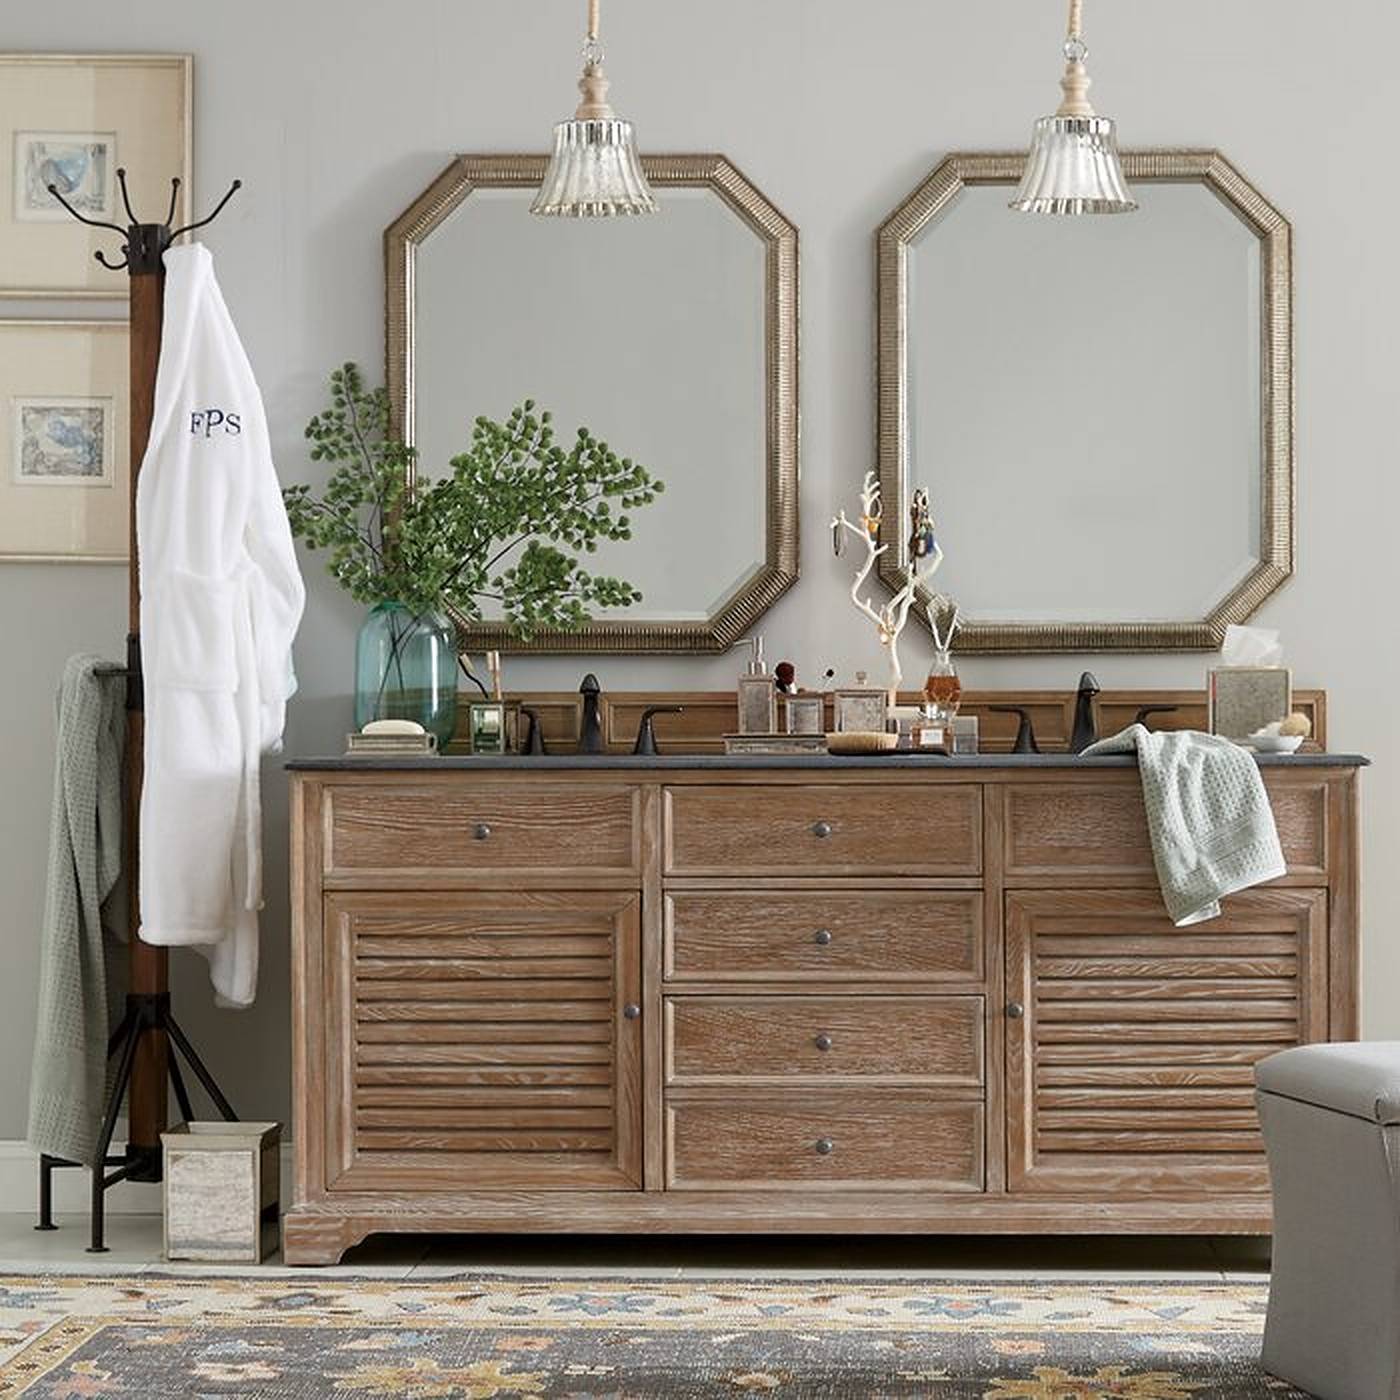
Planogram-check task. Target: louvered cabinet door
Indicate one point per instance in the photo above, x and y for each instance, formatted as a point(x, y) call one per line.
point(482, 1041)
point(1131, 1044)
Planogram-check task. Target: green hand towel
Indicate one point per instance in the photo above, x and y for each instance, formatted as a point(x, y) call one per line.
point(1208, 815)
point(69, 1074)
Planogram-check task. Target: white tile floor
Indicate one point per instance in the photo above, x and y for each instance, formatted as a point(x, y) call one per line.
point(135, 1247)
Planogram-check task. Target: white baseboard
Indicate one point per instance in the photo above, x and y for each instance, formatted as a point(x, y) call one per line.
point(72, 1186)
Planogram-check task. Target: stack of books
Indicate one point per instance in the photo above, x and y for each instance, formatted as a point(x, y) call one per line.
point(390, 745)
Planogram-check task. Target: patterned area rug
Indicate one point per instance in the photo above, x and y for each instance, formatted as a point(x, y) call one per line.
point(478, 1338)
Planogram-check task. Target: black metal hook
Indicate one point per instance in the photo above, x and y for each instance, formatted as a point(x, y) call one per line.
point(126, 197)
point(209, 219)
point(83, 218)
point(149, 240)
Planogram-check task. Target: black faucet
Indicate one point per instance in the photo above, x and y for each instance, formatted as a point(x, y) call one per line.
point(646, 734)
point(1086, 731)
point(590, 738)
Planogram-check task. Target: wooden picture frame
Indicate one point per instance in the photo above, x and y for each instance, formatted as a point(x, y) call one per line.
point(73, 119)
point(64, 442)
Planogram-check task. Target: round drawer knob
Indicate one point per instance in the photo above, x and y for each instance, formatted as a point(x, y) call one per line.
point(1015, 1011)
point(631, 1010)
point(481, 831)
point(823, 1042)
point(822, 937)
point(825, 1147)
point(822, 830)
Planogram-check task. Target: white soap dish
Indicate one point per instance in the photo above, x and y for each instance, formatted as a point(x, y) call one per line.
point(1275, 743)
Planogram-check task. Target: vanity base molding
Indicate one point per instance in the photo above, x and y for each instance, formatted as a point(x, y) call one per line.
point(788, 996)
point(320, 1234)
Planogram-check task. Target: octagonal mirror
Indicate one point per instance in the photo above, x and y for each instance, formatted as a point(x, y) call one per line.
point(1100, 408)
point(672, 338)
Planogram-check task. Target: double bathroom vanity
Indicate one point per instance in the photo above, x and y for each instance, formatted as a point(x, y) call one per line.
point(722, 994)
point(709, 993)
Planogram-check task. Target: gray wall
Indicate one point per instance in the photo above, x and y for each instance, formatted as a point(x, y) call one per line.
point(337, 115)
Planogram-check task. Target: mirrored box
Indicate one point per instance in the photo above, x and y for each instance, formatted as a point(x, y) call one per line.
point(1243, 699)
point(861, 710)
point(486, 726)
point(805, 714)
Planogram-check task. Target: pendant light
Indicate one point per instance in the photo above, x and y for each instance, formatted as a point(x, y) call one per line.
point(594, 172)
point(1073, 167)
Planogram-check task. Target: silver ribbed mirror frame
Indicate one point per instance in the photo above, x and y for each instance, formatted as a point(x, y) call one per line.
point(1278, 486)
point(779, 571)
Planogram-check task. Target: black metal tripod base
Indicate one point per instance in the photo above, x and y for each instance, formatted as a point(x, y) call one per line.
point(145, 1012)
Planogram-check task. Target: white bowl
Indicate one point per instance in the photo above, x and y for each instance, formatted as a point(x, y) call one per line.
point(1276, 743)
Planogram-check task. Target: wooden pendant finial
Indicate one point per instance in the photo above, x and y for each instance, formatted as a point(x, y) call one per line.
point(1076, 82)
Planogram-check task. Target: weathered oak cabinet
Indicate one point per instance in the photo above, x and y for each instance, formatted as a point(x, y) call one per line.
point(713, 994)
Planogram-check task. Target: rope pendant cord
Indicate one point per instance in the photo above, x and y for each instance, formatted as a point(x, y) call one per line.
point(594, 83)
point(1076, 82)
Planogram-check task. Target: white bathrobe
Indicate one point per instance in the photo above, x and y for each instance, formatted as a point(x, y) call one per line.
point(221, 598)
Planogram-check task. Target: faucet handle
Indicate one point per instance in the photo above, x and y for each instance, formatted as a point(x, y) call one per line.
point(534, 735)
point(1148, 710)
point(646, 735)
point(1025, 731)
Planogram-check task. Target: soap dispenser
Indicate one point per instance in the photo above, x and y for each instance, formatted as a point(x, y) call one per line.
point(758, 692)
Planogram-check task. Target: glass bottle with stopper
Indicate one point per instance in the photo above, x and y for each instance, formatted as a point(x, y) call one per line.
point(942, 687)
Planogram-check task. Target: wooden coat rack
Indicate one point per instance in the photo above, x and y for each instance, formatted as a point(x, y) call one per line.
point(141, 1042)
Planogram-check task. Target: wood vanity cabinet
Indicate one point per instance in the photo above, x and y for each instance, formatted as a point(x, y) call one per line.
point(783, 995)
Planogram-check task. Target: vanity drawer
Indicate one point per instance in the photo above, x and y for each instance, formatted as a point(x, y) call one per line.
point(932, 936)
point(1076, 829)
point(472, 829)
point(824, 1141)
point(792, 1040)
point(855, 829)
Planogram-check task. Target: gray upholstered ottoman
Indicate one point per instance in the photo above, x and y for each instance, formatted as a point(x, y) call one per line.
point(1331, 1117)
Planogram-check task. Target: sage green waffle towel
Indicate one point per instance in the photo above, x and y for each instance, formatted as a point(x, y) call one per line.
point(69, 1074)
point(1208, 815)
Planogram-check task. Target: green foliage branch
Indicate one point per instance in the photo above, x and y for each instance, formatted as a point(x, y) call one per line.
point(506, 523)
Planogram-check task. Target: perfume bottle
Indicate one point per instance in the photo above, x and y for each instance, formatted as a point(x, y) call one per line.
point(942, 688)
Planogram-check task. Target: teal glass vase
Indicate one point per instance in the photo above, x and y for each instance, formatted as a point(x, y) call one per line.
point(406, 668)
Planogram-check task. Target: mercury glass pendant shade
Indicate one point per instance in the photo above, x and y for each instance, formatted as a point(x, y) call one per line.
point(1073, 166)
point(594, 171)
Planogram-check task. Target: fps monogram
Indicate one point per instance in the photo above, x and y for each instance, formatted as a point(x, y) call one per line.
point(205, 422)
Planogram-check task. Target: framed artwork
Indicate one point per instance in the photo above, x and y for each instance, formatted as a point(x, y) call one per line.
point(70, 120)
point(64, 478)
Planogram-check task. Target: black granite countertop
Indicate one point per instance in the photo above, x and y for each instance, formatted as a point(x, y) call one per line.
point(779, 762)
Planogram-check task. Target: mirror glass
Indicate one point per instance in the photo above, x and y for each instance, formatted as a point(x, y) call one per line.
point(1086, 410)
point(1090, 403)
point(672, 338)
